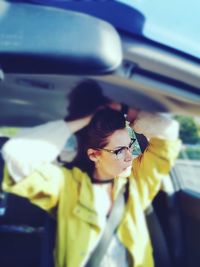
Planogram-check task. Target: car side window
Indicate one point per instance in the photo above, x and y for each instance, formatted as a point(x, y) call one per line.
point(187, 166)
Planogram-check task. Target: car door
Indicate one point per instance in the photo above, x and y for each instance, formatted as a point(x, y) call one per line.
point(178, 204)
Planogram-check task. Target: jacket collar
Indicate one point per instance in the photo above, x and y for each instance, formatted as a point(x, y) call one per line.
point(84, 208)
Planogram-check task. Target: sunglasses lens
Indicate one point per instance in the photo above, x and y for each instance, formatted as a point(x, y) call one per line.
point(121, 154)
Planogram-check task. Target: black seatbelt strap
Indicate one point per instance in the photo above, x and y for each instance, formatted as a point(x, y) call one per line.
point(111, 226)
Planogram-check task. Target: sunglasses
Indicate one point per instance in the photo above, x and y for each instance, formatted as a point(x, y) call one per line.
point(120, 153)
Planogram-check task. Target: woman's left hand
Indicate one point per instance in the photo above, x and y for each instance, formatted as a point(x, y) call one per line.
point(132, 115)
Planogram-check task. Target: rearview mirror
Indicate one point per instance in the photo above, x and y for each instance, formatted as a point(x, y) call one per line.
point(44, 40)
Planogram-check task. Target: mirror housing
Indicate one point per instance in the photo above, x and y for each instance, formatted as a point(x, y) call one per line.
point(44, 40)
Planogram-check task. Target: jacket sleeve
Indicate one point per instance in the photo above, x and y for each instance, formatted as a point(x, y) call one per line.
point(42, 187)
point(34, 147)
point(152, 166)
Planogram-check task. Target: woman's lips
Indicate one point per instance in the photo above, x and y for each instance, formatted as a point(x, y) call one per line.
point(126, 168)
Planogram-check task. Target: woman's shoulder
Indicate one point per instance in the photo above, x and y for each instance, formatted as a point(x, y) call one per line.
point(75, 174)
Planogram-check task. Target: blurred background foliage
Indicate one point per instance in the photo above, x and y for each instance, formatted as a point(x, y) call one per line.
point(190, 136)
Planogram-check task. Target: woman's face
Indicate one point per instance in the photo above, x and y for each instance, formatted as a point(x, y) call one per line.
point(119, 161)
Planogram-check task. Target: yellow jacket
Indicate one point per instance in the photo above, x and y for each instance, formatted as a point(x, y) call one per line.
point(71, 192)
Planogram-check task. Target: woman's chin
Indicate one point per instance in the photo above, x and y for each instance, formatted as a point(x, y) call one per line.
point(126, 173)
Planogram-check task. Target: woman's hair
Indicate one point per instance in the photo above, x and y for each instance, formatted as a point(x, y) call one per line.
point(95, 135)
point(84, 99)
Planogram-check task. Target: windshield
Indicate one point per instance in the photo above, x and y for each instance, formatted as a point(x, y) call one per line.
point(173, 23)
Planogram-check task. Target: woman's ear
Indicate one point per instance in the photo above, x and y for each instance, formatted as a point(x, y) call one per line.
point(93, 154)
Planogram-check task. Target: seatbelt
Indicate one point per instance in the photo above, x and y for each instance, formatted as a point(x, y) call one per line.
point(111, 226)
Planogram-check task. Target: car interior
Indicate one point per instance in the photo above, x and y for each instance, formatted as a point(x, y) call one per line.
point(46, 49)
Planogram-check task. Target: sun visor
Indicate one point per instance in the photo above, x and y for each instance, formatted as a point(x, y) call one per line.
point(45, 40)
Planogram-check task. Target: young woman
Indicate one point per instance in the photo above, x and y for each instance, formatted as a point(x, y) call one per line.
point(85, 193)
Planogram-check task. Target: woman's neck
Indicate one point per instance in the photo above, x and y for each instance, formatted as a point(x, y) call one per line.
point(98, 178)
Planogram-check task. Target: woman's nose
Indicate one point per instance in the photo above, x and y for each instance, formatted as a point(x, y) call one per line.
point(128, 155)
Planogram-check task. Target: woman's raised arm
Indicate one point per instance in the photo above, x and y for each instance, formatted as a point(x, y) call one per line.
point(152, 124)
point(38, 145)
